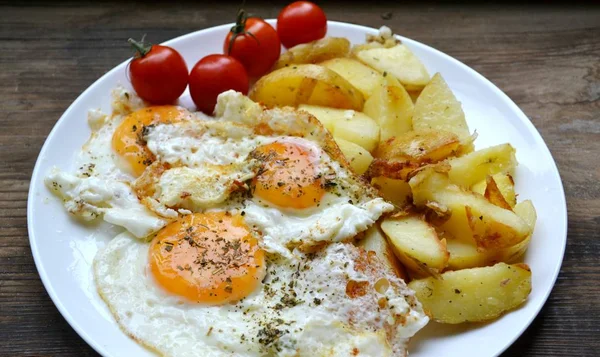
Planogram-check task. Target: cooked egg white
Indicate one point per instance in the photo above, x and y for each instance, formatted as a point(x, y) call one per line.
point(336, 301)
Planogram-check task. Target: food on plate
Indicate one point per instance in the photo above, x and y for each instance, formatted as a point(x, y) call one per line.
point(395, 191)
point(392, 106)
point(416, 243)
point(253, 42)
point(399, 156)
point(374, 241)
point(466, 254)
point(364, 78)
point(126, 138)
point(471, 216)
point(301, 22)
point(243, 223)
point(437, 108)
point(505, 184)
point(358, 157)
point(306, 84)
point(288, 222)
point(474, 167)
point(347, 124)
point(215, 74)
point(314, 52)
point(158, 73)
point(472, 295)
point(398, 61)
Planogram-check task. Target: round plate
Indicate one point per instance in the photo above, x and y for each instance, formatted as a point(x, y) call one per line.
point(64, 249)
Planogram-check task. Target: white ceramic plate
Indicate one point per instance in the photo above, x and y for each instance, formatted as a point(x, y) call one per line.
point(63, 249)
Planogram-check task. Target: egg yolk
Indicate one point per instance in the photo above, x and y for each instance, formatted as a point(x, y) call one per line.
point(287, 177)
point(208, 258)
point(128, 139)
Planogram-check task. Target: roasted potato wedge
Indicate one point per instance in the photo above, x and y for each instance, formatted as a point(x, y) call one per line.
point(392, 190)
point(399, 156)
point(349, 125)
point(314, 52)
point(473, 295)
point(464, 255)
point(306, 84)
point(398, 61)
point(357, 156)
point(472, 217)
point(438, 109)
point(474, 167)
point(364, 78)
point(527, 212)
point(376, 242)
point(505, 184)
point(494, 195)
point(392, 107)
point(416, 243)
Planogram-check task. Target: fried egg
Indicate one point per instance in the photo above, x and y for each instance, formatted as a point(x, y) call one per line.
point(339, 301)
point(238, 233)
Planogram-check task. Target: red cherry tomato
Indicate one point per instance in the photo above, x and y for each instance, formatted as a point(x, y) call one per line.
point(213, 75)
point(253, 42)
point(158, 73)
point(301, 22)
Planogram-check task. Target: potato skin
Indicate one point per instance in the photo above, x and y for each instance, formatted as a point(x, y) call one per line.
point(306, 84)
point(473, 295)
point(314, 52)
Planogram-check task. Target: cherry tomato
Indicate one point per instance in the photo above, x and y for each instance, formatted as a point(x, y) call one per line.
point(301, 22)
point(213, 75)
point(158, 73)
point(253, 42)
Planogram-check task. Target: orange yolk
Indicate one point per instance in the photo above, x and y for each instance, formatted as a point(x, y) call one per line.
point(208, 258)
point(128, 139)
point(287, 177)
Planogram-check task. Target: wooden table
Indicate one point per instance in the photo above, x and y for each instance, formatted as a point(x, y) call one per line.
point(547, 59)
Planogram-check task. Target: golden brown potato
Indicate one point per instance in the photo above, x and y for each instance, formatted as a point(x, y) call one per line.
point(391, 106)
point(416, 243)
point(505, 184)
point(376, 242)
point(398, 61)
point(474, 167)
point(472, 295)
point(399, 156)
point(365, 79)
point(306, 84)
point(357, 156)
point(438, 109)
point(465, 255)
point(347, 124)
point(314, 52)
point(494, 195)
point(472, 217)
point(392, 190)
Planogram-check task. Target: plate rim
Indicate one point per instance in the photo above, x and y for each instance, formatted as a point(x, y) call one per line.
point(91, 341)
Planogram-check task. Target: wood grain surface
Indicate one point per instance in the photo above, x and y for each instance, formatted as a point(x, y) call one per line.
point(546, 58)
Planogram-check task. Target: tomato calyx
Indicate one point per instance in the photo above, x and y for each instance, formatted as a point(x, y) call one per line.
point(141, 49)
point(239, 29)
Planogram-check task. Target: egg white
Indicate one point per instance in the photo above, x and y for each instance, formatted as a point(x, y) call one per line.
point(301, 308)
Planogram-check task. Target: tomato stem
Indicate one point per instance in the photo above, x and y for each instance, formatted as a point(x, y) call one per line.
point(240, 29)
point(141, 49)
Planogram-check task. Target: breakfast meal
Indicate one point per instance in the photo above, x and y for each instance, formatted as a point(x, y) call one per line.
point(323, 201)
